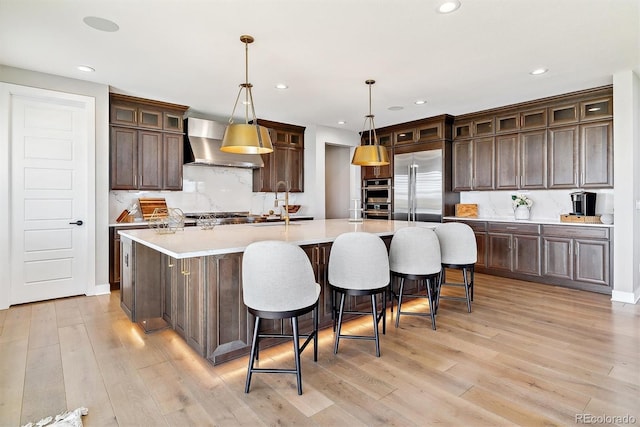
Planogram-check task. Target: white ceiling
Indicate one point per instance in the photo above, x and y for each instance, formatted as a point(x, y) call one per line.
point(188, 52)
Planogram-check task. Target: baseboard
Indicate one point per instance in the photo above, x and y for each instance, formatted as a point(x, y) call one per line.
point(104, 289)
point(628, 297)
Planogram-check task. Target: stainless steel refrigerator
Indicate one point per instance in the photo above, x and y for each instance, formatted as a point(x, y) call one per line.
point(417, 186)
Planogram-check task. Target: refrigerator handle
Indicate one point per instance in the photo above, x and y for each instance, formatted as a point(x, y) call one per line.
point(412, 192)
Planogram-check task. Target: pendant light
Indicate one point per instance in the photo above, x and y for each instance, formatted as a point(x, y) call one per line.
point(246, 138)
point(371, 154)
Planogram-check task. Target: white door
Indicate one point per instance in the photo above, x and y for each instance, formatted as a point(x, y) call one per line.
point(49, 138)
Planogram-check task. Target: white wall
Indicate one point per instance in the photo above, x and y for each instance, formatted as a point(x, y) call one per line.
point(315, 139)
point(337, 191)
point(626, 154)
point(101, 168)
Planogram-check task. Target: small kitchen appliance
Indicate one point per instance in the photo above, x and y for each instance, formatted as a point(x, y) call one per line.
point(584, 203)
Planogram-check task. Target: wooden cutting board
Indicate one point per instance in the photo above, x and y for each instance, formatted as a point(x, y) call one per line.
point(149, 204)
point(467, 210)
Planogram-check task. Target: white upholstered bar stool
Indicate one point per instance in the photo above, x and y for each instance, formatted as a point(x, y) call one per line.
point(278, 283)
point(359, 265)
point(415, 255)
point(458, 251)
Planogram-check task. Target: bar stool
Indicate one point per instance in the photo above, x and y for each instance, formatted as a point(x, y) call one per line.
point(459, 251)
point(415, 255)
point(359, 265)
point(278, 283)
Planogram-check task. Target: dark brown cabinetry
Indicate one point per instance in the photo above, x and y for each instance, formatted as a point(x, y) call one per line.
point(560, 142)
point(145, 144)
point(577, 254)
point(474, 164)
point(285, 163)
point(573, 256)
point(514, 248)
point(521, 160)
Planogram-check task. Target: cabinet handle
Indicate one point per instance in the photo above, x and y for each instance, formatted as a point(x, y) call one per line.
point(135, 180)
point(512, 228)
point(185, 267)
point(126, 260)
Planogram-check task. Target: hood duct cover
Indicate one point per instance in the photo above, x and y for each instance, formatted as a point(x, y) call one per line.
point(202, 146)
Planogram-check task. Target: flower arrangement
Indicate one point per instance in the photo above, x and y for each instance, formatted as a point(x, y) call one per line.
point(520, 200)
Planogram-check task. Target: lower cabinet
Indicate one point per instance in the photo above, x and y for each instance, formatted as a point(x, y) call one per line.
point(514, 248)
point(183, 305)
point(577, 254)
point(567, 255)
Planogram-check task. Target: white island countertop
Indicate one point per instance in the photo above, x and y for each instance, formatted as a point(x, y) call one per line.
point(193, 242)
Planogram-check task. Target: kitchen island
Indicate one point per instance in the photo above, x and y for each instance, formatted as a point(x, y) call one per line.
point(191, 280)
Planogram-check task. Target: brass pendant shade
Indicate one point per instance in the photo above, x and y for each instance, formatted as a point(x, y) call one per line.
point(371, 154)
point(247, 137)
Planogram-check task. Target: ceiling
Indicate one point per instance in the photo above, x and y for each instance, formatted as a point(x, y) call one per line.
point(189, 52)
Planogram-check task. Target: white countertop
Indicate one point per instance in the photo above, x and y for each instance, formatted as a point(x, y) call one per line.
point(529, 221)
point(223, 239)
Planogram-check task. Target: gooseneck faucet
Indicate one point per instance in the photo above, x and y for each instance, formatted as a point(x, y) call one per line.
point(286, 199)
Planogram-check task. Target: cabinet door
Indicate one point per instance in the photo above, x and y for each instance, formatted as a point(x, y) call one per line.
point(596, 155)
point(533, 119)
point(526, 256)
point(294, 167)
point(168, 266)
point(558, 257)
point(592, 261)
point(172, 161)
point(596, 109)
point(462, 171)
point(124, 158)
point(500, 251)
point(507, 159)
point(533, 158)
point(563, 157)
point(481, 244)
point(563, 114)
point(483, 164)
point(150, 118)
point(180, 297)
point(123, 114)
point(195, 304)
point(263, 177)
point(150, 160)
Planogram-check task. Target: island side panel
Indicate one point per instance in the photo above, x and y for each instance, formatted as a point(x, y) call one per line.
point(229, 324)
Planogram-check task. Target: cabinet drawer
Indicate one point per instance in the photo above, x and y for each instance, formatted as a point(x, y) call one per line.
point(513, 228)
point(476, 226)
point(573, 231)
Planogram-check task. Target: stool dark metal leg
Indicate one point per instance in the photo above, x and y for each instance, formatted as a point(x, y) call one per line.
point(296, 352)
point(252, 357)
point(374, 312)
point(335, 347)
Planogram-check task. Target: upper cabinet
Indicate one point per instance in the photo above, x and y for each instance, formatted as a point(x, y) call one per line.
point(146, 142)
point(560, 142)
point(285, 163)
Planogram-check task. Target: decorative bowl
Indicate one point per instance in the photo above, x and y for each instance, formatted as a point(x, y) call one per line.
point(294, 208)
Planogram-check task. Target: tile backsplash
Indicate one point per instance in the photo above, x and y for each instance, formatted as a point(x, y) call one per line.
point(207, 189)
point(547, 204)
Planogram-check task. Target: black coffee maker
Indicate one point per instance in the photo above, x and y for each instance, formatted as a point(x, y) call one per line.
point(584, 203)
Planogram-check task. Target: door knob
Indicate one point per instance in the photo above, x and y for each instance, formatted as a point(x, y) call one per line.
point(78, 222)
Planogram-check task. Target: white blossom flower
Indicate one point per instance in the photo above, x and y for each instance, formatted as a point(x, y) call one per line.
point(520, 200)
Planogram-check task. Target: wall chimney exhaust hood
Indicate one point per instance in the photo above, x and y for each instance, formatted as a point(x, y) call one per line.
point(203, 139)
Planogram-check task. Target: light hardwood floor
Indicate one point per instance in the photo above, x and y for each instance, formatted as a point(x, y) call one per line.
point(529, 354)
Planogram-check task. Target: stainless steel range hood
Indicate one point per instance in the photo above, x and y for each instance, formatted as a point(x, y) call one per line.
point(202, 146)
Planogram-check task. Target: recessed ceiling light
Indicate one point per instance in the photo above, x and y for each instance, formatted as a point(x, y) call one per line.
point(101, 24)
point(342, 122)
point(538, 71)
point(396, 108)
point(85, 68)
point(448, 6)
point(281, 86)
point(420, 102)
